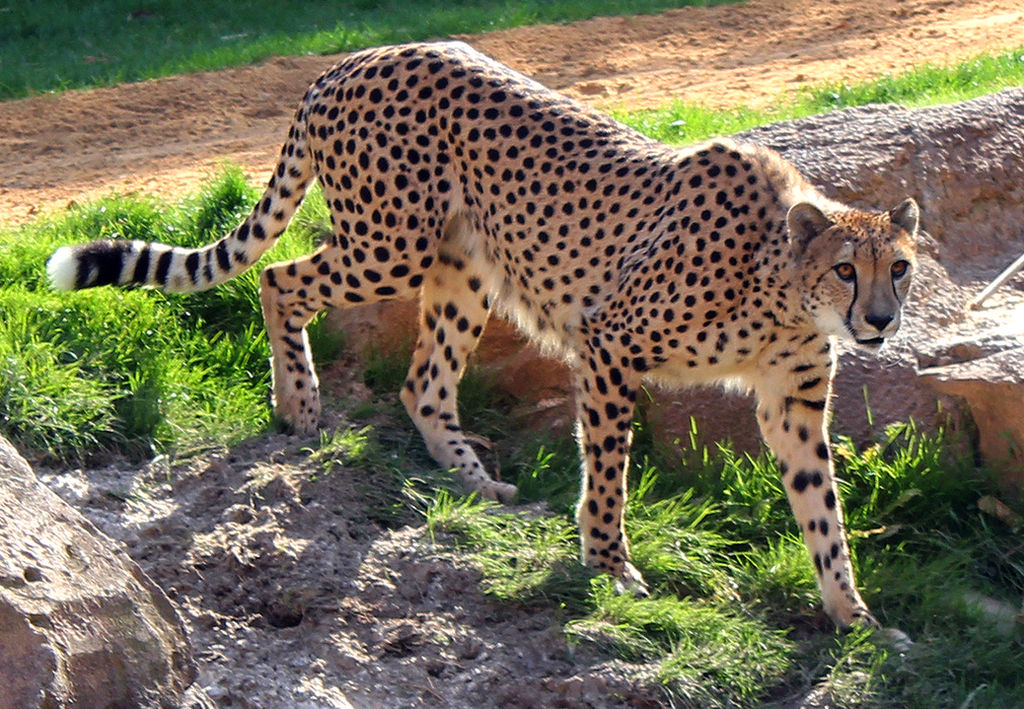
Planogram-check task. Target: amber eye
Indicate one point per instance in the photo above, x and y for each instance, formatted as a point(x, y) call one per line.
point(846, 272)
point(899, 269)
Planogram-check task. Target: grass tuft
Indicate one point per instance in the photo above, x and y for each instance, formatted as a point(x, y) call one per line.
point(526, 556)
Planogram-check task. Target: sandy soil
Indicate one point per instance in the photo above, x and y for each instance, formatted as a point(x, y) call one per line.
point(164, 136)
point(296, 593)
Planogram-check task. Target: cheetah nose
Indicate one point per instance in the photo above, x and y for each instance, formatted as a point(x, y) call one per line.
point(878, 321)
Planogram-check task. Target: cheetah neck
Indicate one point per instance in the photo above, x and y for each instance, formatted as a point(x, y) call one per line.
point(791, 186)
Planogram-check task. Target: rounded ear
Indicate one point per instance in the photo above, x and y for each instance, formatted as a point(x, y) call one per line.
point(804, 222)
point(906, 215)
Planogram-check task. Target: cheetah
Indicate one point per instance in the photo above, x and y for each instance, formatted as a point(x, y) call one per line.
point(456, 180)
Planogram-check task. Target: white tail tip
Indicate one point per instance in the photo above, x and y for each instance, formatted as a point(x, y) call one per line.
point(62, 268)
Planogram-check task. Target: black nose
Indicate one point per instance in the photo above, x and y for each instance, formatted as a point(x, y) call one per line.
point(878, 321)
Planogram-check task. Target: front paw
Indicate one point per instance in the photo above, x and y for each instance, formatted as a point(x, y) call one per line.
point(849, 616)
point(504, 493)
point(297, 416)
point(629, 580)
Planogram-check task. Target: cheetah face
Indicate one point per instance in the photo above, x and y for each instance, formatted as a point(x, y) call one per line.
point(856, 268)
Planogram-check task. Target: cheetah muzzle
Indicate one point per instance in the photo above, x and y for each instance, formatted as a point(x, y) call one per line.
point(453, 179)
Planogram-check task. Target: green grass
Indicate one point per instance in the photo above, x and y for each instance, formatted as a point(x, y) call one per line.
point(52, 46)
point(684, 122)
point(734, 617)
point(137, 371)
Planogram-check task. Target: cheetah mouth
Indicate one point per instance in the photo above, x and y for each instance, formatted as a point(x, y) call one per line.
point(871, 344)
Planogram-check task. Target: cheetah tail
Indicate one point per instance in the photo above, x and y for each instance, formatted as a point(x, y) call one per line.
point(179, 269)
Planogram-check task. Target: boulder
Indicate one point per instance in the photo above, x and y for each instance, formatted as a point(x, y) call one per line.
point(964, 164)
point(80, 624)
point(988, 374)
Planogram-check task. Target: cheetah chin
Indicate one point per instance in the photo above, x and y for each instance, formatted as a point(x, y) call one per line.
point(456, 181)
point(873, 344)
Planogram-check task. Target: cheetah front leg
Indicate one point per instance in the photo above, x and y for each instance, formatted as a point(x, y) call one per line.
point(605, 395)
point(453, 311)
point(792, 410)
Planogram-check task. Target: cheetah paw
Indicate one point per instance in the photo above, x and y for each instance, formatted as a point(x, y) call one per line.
point(630, 580)
point(302, 427)
point(504, 493)
point(296, 415)
point(892, 639)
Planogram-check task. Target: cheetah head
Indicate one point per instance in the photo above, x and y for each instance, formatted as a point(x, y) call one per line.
point(855, 268)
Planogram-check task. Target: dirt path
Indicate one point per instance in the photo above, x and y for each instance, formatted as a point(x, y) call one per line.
point(164, 136)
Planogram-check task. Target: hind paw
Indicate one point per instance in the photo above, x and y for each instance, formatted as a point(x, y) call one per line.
point(298, 416)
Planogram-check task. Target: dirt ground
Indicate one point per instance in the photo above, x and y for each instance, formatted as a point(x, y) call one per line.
point(164, 136)
point(297, 594)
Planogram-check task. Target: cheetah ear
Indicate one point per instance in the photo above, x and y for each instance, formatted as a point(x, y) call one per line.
point(906, 215)
point(804, 222)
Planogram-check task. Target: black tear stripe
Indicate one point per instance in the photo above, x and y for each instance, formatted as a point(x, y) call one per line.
point(849, 311)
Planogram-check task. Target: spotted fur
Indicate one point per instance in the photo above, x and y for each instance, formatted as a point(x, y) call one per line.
point(456, 180)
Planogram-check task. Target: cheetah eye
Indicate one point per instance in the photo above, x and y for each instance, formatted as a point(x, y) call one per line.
point(846, 272)
point(899, 269)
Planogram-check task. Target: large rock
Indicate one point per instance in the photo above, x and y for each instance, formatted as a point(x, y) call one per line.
point(988, 373)
point(964, 164)
point(80, 624)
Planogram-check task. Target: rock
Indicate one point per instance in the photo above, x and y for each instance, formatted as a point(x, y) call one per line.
point(1003, 617)
point(80, 624)
point(964, 164)
point(993, 387)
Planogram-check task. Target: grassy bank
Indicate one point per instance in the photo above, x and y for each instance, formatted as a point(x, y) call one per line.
point(925, 85)
point(52, 46)
point(87, 372)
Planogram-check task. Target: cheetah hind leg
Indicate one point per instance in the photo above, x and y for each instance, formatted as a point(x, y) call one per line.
point(286, 312)
point(291, 295)
point(453, 311)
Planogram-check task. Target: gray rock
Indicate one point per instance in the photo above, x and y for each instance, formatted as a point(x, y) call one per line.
point(80, 624)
